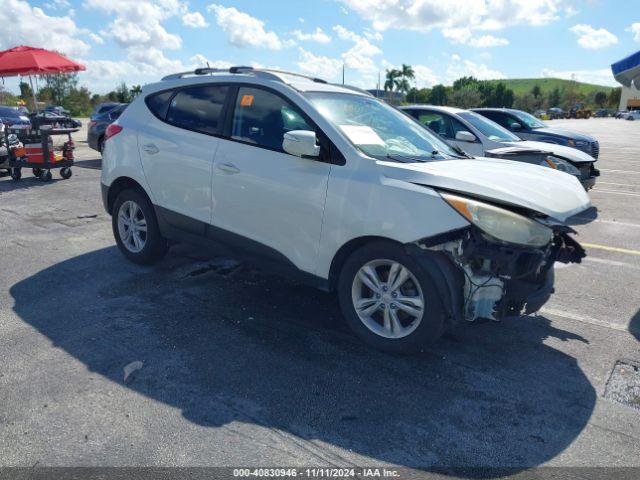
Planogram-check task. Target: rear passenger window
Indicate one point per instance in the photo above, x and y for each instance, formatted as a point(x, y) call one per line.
point(262, 118)
point(198, 108)
point(159, 103)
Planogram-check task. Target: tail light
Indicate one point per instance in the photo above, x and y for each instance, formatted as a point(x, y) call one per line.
point(112, 130)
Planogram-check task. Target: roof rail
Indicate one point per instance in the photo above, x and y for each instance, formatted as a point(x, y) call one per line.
point(262, 72)
point(352, 88)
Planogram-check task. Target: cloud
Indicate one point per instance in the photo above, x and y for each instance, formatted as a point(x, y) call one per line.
point(243, 29)
point(360, 56)
point(317, 35)
point(138, 23)
point(27, 25)
point(487, 41)
point(592, 38)
point(194, 20)
point(424, 15)
point(635, 30)
point(318, 65)
point(95, 38)
point(459, 67)
point(602, 76)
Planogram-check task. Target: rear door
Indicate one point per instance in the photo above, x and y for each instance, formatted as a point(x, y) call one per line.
point(177, 147)
point(262, 193)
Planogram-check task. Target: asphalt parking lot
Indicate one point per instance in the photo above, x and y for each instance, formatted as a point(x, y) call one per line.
point(241, 368)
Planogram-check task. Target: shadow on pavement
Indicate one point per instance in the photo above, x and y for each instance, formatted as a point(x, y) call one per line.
point(226, 344)
point(28, 181)
point(634, 326)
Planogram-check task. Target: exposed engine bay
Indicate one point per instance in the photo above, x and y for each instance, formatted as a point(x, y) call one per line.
point(500, 279)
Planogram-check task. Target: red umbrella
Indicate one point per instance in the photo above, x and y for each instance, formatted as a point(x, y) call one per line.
point(25, 60)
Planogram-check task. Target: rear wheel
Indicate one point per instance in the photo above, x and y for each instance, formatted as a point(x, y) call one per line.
point(16, 173)
point(388, 300)
point(135, 228)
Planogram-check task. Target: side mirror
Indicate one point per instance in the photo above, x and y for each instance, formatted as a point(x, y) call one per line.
point(516, 126)
point(301, 143)
point(465, 136)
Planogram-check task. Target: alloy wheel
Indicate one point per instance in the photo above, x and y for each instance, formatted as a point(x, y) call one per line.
point(132, 226)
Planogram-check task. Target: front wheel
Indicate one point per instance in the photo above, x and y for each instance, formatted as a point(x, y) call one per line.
point(135, 228)
point(389, 301)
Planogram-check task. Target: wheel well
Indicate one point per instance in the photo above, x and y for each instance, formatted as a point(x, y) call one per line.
point(345, 252)
point(120, 184)
point(100, 139)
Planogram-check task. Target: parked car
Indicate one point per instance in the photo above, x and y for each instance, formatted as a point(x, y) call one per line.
point(634, 115)
point(621, 114)
point(528, 127)
point(98, 125)
point(479, 136)
point(555, 113)
point(12, 117)
point(57, 110)
point(103, 108)
point(540, 113)
point(335, 187)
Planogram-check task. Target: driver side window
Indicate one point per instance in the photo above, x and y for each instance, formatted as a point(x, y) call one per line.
point(262, 118)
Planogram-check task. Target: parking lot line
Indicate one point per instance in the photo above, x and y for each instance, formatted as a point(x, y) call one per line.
point(612, 263)
point(632, 194)
point(611, 249)
point(620, 171)
point(582, 318)
point(618, 184)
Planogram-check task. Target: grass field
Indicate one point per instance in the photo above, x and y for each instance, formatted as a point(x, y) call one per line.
point(524, 85)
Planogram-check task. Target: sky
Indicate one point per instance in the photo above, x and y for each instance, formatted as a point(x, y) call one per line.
point(139, 41)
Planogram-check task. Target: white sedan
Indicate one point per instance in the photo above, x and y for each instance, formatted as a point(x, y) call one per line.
point(479, 137)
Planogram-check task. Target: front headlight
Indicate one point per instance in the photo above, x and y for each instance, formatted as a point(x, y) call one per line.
point(500, 223)
point(562, 165)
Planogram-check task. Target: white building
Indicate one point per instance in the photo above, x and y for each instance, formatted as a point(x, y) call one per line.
point(627, 72)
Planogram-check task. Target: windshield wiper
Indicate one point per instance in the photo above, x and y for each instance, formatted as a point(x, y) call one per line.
point(458, 150)
point(405, 159)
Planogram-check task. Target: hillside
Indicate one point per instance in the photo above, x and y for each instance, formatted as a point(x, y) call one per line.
point(524, 85)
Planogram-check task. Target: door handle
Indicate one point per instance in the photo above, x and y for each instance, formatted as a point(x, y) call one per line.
point(228, 168)
point(150, 148)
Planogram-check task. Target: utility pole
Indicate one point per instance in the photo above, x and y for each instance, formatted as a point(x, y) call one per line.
point(343, 73)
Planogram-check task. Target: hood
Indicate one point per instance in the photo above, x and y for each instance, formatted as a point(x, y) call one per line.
point(540, 189)
point(562, 132)
point(568, 153)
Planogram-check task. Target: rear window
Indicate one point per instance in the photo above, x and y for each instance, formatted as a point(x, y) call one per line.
point(198, 108)
point(158, 103)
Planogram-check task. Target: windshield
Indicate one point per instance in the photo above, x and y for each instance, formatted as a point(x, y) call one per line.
point(529, 120)
point(489, 129)
point(9, 112)
point(379, 130)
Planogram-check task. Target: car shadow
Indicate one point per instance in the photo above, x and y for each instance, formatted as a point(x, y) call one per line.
point(7, 184)
point(224, 343)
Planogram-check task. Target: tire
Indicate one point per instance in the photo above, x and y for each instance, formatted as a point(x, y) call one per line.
point(417, 329)
point(36, 172)
point(45, 176)
point(16, 174)
point(66, 173)
point(150, 246)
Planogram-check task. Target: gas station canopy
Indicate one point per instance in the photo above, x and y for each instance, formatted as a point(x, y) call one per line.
point(627, 70)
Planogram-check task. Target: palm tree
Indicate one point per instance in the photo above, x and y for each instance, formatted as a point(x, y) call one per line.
point(135, 90)
point(407, 72)
point(391, 79)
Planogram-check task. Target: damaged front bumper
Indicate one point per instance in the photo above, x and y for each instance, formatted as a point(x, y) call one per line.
point(490, 280)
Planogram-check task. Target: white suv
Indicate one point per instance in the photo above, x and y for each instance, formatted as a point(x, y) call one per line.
point(335, 186)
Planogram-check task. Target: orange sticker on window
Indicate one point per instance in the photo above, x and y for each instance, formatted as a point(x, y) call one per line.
point(246, 101)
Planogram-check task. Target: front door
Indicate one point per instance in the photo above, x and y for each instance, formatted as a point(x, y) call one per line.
point(262, 193)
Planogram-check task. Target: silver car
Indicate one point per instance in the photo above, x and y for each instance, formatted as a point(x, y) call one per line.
point(480, 137)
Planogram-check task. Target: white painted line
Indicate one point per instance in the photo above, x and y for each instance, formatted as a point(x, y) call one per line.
point(619, 184)
point(631, 194)
point(619, 171)
point(581, 318)
point(604, 261)
point(611, 222)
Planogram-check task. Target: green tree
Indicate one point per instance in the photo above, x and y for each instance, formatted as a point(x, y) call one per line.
point(391, 79)
point(554, 97)
point(614, 97)
point(600, 98)
point(535, 91)
point(135, 91)
point(60, 85)
point(416, 95)
point(465, 81)
point(525, 102)
point(122, 93)
point(78, 102)
point(468, 96)
point(438, 95)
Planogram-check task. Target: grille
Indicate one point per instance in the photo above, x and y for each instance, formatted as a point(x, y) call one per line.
point(595, 149)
